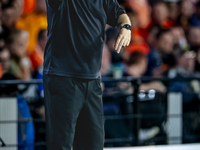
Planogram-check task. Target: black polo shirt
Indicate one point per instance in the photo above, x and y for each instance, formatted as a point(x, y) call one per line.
point(76, 35)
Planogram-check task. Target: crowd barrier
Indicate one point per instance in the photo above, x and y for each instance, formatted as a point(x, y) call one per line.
point(174, 114)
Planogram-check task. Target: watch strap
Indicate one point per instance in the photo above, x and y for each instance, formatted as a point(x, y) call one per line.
point(126, 26)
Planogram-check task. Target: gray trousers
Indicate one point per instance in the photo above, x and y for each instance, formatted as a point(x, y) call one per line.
point(74, 113)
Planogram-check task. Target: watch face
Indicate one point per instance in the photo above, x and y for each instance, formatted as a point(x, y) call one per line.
point(127, 26)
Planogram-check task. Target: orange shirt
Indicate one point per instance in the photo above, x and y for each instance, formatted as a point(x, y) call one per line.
point(33, 23)
point(29, 5)
point(136, 36)
point(143, 10)
point(36, 58)
point(143, 48)
point(145, 32)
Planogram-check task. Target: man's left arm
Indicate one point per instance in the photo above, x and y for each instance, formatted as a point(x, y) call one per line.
point(116, 16)
point(124, 37)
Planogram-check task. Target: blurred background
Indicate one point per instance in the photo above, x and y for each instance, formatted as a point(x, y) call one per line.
point(160, 106)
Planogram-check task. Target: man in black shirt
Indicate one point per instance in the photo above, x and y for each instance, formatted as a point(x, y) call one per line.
point(73, 96)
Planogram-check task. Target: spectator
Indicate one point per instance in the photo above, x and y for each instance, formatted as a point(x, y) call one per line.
point(33, 22)
point(193, 38)
point(160, 18)
point(174, 11)
point(186, 8)
point(36, 56)
point(195, 20)
point(4, 59)
point(161, 15)
point(194, 41)
point(186, 12)
point(136, 35)
point(42, 40)
point(165, 42)
point(136, 67)
point(162, 48)
point(11, 12)
point(3, 35)
point(137, 64)
point(179, 37)
point(141, 7)
point(184, 68)
point(8, 15)
point(185, 61)
point(20, 65)
point(29, 5)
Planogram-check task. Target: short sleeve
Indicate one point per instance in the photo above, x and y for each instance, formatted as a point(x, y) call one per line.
point(113, 11)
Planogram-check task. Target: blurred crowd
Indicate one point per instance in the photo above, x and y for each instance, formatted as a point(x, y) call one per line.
point(23, 36)
point(165, 40)
point(165, 43)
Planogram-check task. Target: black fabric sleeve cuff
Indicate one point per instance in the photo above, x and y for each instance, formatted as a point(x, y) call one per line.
point(113, 12)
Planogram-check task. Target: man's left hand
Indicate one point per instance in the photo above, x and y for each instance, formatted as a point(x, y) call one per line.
point(123, 39)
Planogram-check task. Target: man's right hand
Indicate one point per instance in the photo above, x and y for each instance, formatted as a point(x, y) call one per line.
point(123, 39)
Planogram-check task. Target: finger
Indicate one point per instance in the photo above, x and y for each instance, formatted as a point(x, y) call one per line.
point(120, 46)
point(118, 42)
point(126, 43)
point(129, 41)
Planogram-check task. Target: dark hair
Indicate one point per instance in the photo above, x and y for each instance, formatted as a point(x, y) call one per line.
point(160, 2)
point(161, 32)
point(11, 38)
point(41, 34)
point(4, 32)
point(135, 58)
point(9, 4)
point(198, 4)
point(129, 10)
point(2, 49)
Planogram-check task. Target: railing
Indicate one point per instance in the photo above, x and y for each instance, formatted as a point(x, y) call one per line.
point(136, 116)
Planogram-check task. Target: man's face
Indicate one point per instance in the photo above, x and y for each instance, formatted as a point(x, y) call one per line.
point(160, 12)
point(138, 69)
point(40, 5)
point(194, 36)
point(187, 61)
point(9, 17)
point(165, 43)
point(12, 14)
point(187, 8)
point(19, 46)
